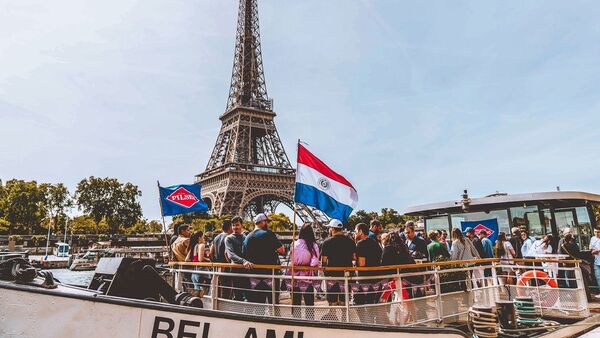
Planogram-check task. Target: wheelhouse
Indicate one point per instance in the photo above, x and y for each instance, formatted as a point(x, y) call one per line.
point(538, 213)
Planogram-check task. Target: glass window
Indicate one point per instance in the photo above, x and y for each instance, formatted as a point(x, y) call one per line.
point(585, 227)
point(528, 218)
point(437, 223)
point(500, 215)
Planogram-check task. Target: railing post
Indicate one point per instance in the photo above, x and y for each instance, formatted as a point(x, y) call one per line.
point(176, 277)
point(347, 295)
point(273, 291)
point(214, 286)
point(438, 291)
point(580, 285)
point(399, 293)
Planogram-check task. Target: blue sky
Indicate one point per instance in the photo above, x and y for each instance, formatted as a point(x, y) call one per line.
point(411, 101)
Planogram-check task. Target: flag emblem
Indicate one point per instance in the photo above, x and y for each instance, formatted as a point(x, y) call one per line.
point(183, 198)
point(480, 227)
point(324, 183)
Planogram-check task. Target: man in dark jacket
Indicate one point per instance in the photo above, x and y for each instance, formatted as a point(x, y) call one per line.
point(516, 242)
point(417, 247)
point(476, 242)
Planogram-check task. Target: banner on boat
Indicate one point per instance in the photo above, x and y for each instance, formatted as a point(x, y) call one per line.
point(320, 187)
point(181, 199)
point(489, 225)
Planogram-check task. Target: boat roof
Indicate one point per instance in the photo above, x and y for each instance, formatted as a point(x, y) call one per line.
point(500, 200)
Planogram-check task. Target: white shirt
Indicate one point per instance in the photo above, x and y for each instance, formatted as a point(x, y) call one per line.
point(595, 245)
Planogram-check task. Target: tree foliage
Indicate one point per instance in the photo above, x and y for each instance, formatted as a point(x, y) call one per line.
point(56, 202)
point(388, 217)
point(110, 200)
point(144, 227)
point(280, 222)
point(22, 205)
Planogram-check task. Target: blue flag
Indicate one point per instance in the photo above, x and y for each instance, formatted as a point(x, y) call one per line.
point(181, 199)
point(489, 225)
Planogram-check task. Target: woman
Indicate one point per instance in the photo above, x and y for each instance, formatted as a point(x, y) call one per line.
point(197, 254)
point(462, 248)
point(395, 252)
point(306, 253)
point(505, 251)
point(542, 246)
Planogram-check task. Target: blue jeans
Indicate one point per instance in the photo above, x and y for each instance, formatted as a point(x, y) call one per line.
point(597, 273)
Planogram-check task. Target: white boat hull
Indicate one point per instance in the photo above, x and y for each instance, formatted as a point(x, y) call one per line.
point(73, 313)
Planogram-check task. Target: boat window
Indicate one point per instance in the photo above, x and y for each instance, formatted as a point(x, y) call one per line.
point(529, 218)
point(500, 215)
point(437, 223)
point(585, 227)
point(565, 218)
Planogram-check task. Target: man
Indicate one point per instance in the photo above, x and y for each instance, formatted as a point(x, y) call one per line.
point(217, 254)
point(470, 232)
point(175, 233)
point(180, 250)
point(595, 248)
point(234, 243)
point(444, 239)
point(336, 251)
point(217, 249)
point(368, 253)
point(375, 230)
point(488, 247)
point(515, 241)
point(181, 245)
point(416, 246)
point(436, 249)
point(262, 246)
point(527, 243)
point(566, 231)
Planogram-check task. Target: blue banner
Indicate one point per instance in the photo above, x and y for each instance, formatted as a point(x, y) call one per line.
point(181, 199)
point(489, 225)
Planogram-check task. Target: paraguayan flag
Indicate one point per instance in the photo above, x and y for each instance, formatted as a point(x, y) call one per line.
point(320, 187)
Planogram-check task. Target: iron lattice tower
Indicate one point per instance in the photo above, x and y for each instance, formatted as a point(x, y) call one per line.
point(248, 171)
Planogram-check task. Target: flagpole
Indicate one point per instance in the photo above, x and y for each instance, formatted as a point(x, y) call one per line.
point(163, 219)
point(294, 225)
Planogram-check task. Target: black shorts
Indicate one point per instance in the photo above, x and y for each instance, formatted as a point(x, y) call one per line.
point(335, 294)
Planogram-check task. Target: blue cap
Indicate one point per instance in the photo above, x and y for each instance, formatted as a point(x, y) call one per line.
point(469, 229)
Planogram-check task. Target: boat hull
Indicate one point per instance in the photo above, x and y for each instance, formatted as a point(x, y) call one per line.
point(76, 313)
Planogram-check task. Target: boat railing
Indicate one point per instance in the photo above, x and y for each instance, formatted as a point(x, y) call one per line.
point(413, 294)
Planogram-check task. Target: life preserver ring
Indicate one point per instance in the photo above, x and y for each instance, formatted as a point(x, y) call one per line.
point(536, 274)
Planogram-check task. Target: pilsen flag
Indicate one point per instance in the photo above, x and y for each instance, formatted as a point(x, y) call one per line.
point(320, 187)
point(181, 199)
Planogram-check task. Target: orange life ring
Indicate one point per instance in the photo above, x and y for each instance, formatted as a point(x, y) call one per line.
point(537, 274)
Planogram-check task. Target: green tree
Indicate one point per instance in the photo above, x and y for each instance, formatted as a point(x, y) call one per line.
point(144, 227)
point(361, 216)
point(22, 205)
point(87, 225)
point(108, 199)
point(280, 222)
point(56, 201)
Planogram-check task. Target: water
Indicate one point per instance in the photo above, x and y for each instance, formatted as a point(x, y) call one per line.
point(73, 277)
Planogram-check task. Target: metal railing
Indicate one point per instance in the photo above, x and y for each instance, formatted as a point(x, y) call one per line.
point(414, 294)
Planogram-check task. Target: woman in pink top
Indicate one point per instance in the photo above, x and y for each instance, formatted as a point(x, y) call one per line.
point(306, 253)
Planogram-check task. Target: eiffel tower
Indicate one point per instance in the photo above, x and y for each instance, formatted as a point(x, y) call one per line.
point(248, 171)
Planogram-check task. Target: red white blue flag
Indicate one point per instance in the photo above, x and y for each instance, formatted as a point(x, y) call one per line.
point(320, 187)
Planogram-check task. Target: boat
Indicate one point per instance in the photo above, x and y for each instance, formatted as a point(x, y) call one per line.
point(87, 261)
point(127, 297)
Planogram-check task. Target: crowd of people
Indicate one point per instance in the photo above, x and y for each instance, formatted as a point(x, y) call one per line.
point(365, 246)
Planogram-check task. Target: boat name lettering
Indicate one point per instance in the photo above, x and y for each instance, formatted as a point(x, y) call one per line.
point(166, 328)
point(251, 333)
point(185, 329)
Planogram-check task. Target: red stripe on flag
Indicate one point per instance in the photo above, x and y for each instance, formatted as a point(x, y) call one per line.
point(307, 158)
